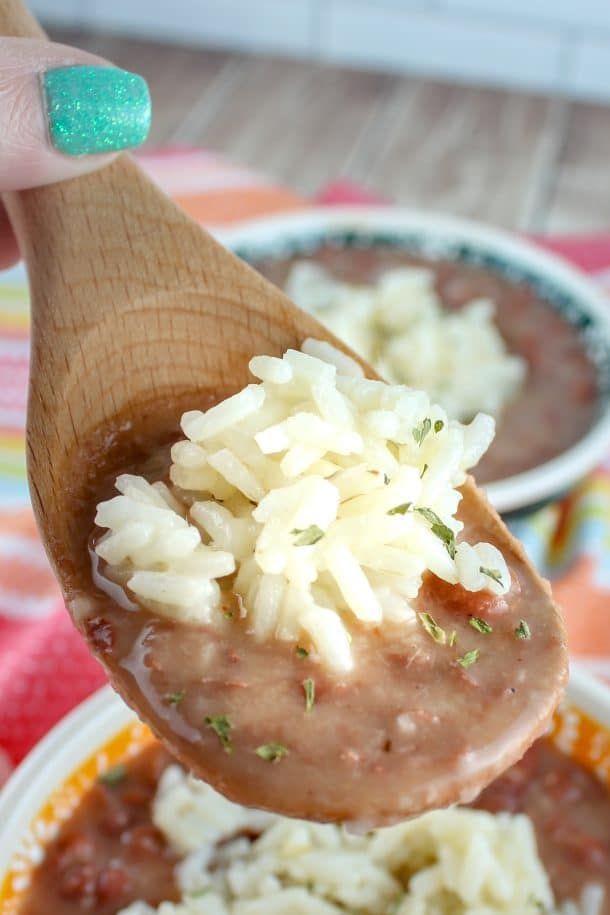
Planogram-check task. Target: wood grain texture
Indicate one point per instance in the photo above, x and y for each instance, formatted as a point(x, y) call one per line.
point(134, 308)
point(525, 162)
point(580, 197)
point(482, 153)
point(474, 152)
point(178, 77)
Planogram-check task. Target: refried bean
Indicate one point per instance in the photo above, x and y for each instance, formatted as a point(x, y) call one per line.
point(109, 853)
point(407, 728)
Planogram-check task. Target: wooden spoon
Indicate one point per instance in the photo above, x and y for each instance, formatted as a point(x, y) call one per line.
point(138, 314)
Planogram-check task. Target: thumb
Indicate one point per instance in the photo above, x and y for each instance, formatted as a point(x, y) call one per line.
point(64, 112)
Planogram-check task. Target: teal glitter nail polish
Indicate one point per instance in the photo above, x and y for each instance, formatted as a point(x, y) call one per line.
point(95, 109)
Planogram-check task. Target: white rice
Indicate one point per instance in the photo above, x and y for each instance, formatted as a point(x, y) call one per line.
point(327, 494)
point(448, 862)
point(400, 326)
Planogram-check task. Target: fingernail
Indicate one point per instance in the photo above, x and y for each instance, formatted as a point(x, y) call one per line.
point(96, 109)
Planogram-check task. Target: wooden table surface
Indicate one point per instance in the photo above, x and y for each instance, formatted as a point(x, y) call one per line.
point(522, 161)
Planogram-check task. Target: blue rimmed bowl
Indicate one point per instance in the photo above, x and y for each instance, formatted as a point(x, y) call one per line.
point(554, 281)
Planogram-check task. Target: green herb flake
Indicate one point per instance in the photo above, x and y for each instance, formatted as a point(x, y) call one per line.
point(421, 431)
point(301, 652)
point(114, 776)
point(309, 687)
point(271, 752)
point(175, 698)
point(197, 894)
point(494, 574)
point(523, 631)
point(452, 639)
point(439, 425)
point(468, 659)
point(228, 614)
point(396, 904)
point(439, 529)
point(400, 509)
point(221, 726)
point(480, 625)
point(432, 628)
point(424, 470)
point(307, 536)
point(386, 480)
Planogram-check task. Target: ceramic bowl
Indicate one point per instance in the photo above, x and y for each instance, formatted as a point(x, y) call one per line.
point(555, 281)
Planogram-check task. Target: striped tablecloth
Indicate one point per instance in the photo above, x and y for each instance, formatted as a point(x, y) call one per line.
point(45, 668)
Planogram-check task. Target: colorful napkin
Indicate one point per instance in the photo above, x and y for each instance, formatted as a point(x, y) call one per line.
point(44, 667)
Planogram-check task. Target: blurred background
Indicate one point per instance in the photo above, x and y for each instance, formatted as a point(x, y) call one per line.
point(495, 109)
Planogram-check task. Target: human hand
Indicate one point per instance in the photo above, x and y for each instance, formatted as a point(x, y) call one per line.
point(63, 112)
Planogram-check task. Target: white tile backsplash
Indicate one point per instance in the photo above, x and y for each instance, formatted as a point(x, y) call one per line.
point(383, 35)
point(543, 45)
point(282, 25)
point(592, 14)
point(590, 77)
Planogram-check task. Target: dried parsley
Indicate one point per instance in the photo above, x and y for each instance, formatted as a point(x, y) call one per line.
point(400, 509)
point(452, 639)
point(523, 630)
point(175, 698)
point(221, 726)
point(421, 431)
point(114, 776)
point(432, 628)
point(307, 536)
point(309, 687)
point(424, 470)
point(228, 614)
point(271, 752)
point(386, 479)
point(494, 574)
point(439, 529)
point(301, 652)
point(480, 625)
point(468, 659)
point(438, 425)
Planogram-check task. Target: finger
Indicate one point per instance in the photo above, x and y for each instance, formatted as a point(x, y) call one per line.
point(64, 112)
point(9, 251)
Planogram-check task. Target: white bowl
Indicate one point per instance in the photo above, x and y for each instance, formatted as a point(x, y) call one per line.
point(561, 285)
point(102, 731)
